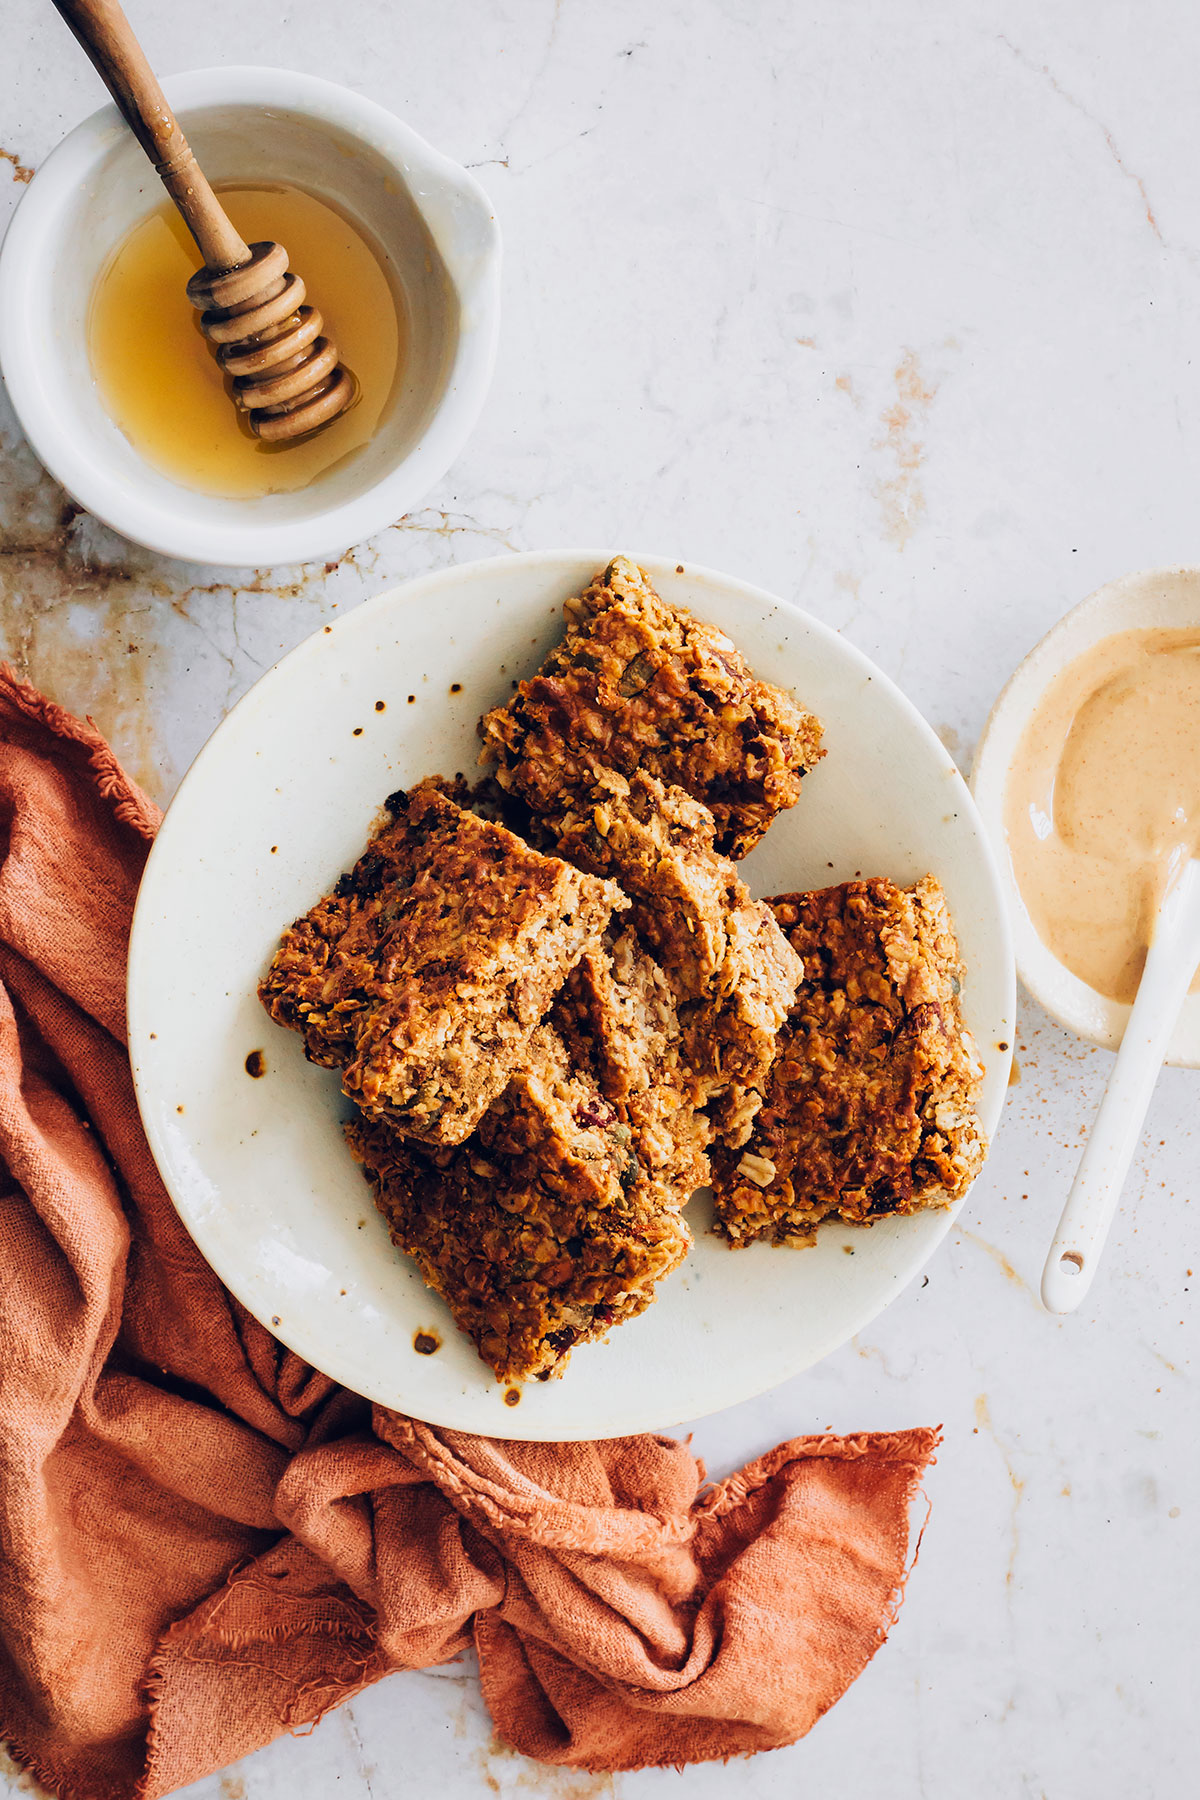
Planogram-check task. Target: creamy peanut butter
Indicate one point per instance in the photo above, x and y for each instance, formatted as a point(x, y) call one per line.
point(1102, 802)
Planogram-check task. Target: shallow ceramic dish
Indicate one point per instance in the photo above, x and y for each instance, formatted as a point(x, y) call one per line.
point(1156, 598)
point(281, 800)
point(430, 223)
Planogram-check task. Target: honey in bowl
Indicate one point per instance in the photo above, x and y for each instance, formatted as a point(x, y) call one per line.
point(162, 385)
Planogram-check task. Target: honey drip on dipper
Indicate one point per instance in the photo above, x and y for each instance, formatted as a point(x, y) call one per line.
point(286, 376)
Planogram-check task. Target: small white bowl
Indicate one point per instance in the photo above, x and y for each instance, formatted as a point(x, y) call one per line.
point(1153, 599)
point(429, 220)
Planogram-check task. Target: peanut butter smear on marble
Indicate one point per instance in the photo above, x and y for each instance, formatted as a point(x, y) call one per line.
point(1102, 803)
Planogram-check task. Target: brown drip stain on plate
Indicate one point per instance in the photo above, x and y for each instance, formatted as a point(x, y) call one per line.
point(380, 705)
point(426, 1343)
point(256, 1064)
point(512, 1396)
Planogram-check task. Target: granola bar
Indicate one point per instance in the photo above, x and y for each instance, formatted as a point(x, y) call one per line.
point(538, 1233)
point(871, 1107)
point(640, 684)
point(618, 1020)
point(423, 976)
point(731, 969)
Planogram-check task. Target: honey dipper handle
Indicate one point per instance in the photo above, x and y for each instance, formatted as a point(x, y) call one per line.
point(120, 62)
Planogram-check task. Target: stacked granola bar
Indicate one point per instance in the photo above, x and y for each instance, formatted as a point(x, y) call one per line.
point(732, 971)
point(618, 1019)
point(539, 1232)
point(539, 1190)
point(424, 974)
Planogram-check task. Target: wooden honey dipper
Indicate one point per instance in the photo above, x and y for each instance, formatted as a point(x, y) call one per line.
point(286, 377)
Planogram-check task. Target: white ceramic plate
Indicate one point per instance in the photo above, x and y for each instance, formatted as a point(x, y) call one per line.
point(280, 801)
point(1150, 600)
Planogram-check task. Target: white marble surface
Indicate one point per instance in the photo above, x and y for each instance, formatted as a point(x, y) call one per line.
point(892, 308)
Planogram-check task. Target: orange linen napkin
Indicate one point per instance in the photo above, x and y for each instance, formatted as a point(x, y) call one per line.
point(205, 1542)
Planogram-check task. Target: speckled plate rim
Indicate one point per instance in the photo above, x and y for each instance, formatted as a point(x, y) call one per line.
point(729, 1325)
point(1146, 598)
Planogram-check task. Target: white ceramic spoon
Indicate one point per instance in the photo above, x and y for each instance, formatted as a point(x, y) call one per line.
point(1088, 1215)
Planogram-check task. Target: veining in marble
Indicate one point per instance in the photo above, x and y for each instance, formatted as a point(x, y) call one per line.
point(893, 310)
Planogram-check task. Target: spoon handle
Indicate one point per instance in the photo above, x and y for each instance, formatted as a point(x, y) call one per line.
point(1092, 1202)
point(119, 60)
